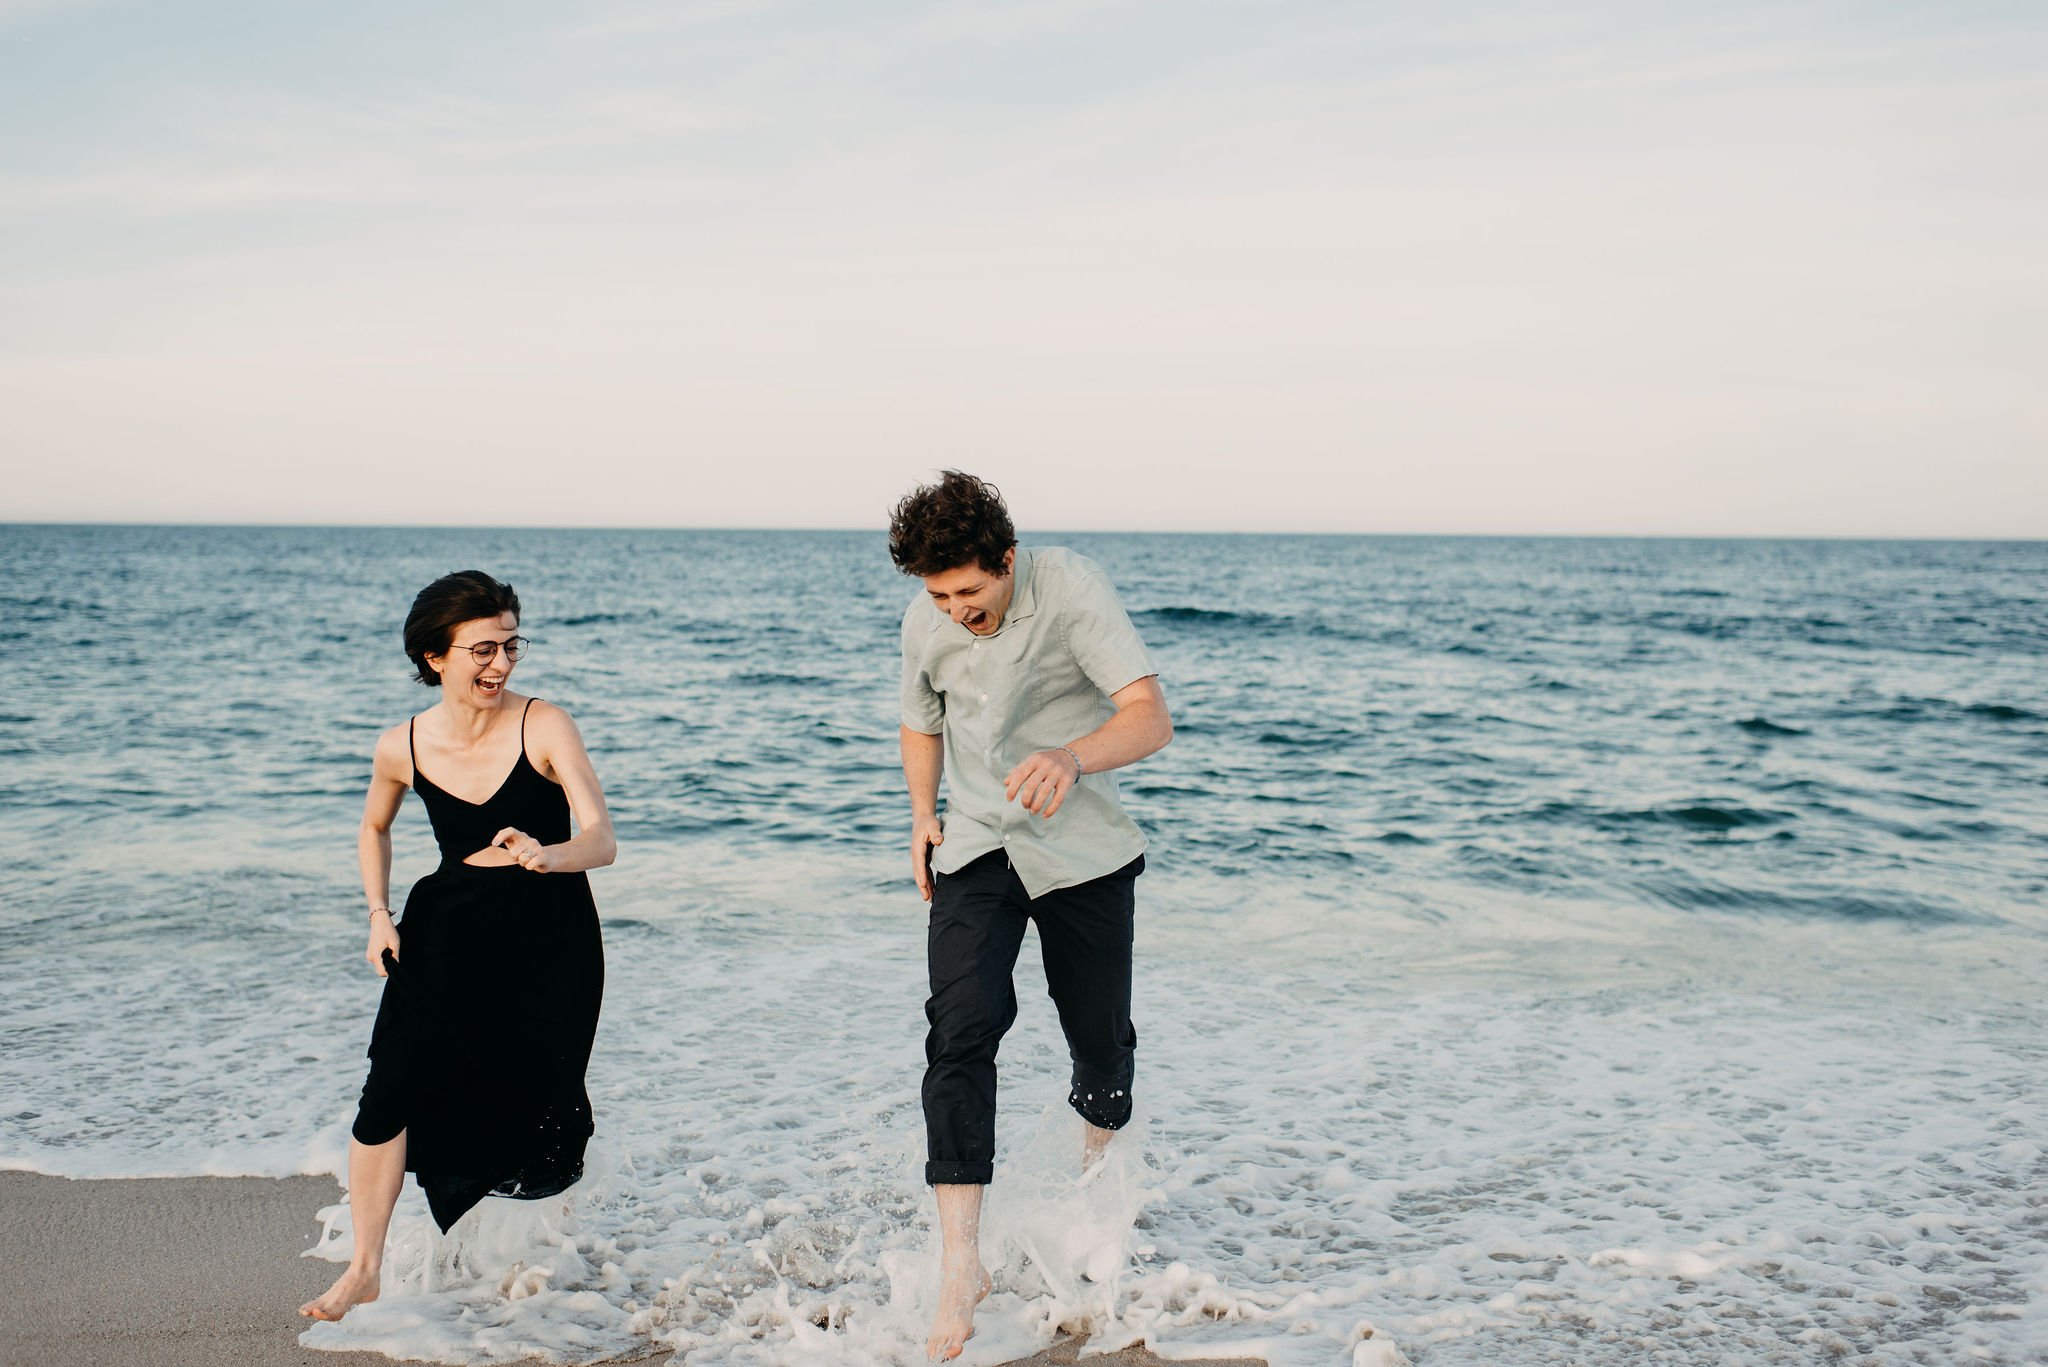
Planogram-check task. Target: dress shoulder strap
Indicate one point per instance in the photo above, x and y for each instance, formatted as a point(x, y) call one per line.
point(411, 750)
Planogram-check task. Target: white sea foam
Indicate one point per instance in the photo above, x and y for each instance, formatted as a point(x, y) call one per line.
point(1549, 1134)
point(1728, 1156)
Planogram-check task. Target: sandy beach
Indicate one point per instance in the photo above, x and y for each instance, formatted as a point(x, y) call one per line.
point(196, 1272)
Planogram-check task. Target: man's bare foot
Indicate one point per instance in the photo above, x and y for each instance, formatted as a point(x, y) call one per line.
point(350, 1289)
point(1094, 1139)
point(965, 1286)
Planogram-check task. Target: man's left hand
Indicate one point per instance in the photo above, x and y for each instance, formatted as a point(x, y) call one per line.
point(1041, 781)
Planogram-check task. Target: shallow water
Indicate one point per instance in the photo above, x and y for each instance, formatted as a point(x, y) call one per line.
point(1578, 951)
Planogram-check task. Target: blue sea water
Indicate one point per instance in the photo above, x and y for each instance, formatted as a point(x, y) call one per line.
point(1548, 941)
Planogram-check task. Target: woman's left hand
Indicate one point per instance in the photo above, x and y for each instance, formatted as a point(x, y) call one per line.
point(531, 855)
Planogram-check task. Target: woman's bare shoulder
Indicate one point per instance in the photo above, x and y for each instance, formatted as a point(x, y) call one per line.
point(393, 756)
point(542, 715)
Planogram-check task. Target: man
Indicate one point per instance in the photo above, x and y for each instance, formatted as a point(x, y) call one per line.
point(1024, 680)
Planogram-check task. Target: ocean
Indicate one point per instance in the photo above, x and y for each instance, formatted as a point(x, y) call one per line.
point(1552, 950)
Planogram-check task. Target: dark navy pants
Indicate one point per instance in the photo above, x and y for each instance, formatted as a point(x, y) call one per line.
point(977, 926)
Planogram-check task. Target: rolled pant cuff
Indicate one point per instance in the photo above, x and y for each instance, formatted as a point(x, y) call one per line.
point(939, 1174)
point(1106, 1110)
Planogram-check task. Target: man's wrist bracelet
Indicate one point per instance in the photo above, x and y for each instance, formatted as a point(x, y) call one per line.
point(1078, 770)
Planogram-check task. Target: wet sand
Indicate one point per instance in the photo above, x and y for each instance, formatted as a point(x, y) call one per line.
point(197, 1272)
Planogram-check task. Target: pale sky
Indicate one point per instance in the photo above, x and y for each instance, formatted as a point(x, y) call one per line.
point(1739, 268)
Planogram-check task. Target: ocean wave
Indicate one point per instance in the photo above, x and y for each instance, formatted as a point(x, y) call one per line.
point(1998, 711)
point(1707, 816)
point(1709, 628)
point(1221, 618)
point(1763, 726)
point(1849, 904)
point(47, 607)
point(1189, 614)
point(1308, 738)
point(1695, 816)
point(1907, 708)
point(776, 679)
point(1168, 790)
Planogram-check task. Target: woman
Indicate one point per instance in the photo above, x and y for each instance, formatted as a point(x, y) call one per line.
point(491, 1000)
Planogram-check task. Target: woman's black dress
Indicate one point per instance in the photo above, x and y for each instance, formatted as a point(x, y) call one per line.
point(489, 1011)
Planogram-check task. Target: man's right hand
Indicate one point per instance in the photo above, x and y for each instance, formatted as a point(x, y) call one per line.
point(925, 835)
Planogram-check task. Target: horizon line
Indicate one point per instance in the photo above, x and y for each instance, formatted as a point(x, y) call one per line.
point(139, 524)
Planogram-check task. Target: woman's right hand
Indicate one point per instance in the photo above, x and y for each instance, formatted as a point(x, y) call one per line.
point(383, 936)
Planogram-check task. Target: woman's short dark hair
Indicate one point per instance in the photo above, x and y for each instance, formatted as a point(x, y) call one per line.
point(959, 521)
point(446, 604)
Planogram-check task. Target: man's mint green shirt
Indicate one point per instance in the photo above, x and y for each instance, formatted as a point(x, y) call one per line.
point(1042, 680)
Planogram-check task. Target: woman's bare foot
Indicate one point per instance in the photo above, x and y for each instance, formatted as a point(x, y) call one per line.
point(965, 1286)
point(350, 1289)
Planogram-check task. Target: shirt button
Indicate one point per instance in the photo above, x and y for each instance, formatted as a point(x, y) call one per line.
point(984, 697)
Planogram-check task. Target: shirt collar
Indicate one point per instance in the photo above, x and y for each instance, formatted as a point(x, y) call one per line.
point(1023, 595)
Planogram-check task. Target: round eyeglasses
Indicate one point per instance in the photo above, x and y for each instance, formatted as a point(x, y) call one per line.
point(483, 652)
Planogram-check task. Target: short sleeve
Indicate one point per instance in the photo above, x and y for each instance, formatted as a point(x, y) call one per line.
point(1099, 635)
point(924, 710)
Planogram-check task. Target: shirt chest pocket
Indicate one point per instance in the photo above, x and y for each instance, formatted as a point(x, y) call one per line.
point(1016, 670)
point(993, 677)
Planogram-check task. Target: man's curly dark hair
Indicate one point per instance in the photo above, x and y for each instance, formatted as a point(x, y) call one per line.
point(958, 521)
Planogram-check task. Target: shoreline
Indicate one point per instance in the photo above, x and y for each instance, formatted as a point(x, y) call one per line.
point(205, 1272)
